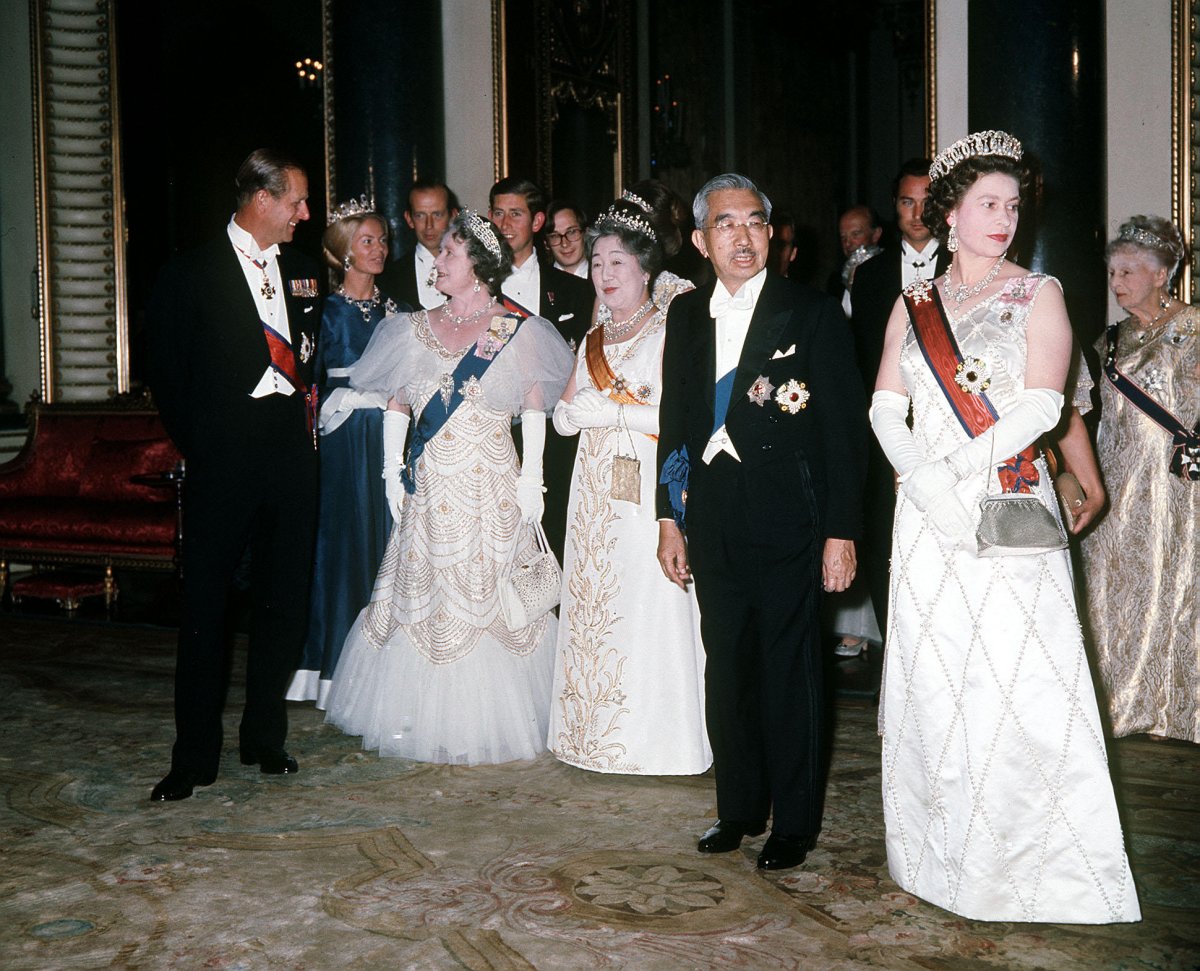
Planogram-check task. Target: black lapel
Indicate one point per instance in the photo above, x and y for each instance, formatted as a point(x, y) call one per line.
point(771, 315)
point(703, 344)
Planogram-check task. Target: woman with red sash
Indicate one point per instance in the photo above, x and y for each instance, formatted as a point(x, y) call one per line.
point(629, 676)
point(997, 797)
point(1140, 561)
point(430, 671)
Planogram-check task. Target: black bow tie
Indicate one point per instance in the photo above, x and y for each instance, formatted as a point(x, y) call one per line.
point(918, 263)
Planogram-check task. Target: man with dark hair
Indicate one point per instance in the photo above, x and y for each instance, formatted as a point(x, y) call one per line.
point(877, 285)
point(232, 332)
point(411, 279)
point(783, 243)
point(517, 207)
point(565, 243)
point(761, 450)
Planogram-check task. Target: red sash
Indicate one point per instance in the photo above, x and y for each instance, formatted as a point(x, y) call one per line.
point(972, 409)
point(283, 360)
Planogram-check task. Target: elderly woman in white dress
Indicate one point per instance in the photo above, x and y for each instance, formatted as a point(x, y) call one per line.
point(430, 671)
point(629, 677)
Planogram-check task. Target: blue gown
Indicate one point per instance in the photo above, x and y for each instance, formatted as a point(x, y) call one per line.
point(353, 520)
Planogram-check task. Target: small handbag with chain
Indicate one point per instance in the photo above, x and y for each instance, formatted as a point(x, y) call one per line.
point(1017, 524)
point(532, 588)
point(626, 469)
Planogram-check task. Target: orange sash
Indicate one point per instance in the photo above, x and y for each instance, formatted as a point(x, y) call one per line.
point(601, 372)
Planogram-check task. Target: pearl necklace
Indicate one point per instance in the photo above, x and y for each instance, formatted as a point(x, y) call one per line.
point(364, 306)
point(961, 293)
point(614, 331)
point(468, 318)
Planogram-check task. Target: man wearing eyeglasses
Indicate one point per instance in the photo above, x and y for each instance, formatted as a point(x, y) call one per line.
point(761, 455)
point(565, 239)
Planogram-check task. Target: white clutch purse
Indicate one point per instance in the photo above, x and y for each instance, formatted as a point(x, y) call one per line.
point(530, 589)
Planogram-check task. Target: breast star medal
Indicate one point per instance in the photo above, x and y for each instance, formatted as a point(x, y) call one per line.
point(760, 390)
point(793, 397)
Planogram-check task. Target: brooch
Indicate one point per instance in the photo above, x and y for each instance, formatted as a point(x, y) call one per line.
point(760, 390)
point(446, 388)
point(306, 348)
point(793, 397)
point(643, 393)
point(303, 288)
point(919, 290)
point(471, 388)
point(495, 337)
point(973, 375)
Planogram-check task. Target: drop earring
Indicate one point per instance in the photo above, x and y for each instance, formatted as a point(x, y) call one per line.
point(952, 240)
point(347, 262)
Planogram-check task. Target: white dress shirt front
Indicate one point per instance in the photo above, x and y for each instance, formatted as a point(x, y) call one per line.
point(429, 295)
point(732, 313)
point(524, 285)
point(271, 310)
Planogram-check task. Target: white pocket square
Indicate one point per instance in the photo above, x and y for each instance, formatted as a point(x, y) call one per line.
point(778, 354)
point(566, 316)
point(309, 310)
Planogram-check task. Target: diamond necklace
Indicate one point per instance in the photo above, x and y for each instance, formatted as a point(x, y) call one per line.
point(961, 293)
point(614, 331)
point(468, 318)
point(365, 306)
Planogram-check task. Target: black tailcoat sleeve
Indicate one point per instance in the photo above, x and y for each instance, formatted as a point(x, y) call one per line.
point(566, 301)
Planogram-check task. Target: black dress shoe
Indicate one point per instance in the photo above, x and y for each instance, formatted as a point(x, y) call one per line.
point(179, 783)
point(727, 835)
point(270, 761)
point(782, 852)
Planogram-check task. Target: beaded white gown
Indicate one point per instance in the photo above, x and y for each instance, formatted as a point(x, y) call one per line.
point(429, 670)
point(629, 674)
point(997, 796)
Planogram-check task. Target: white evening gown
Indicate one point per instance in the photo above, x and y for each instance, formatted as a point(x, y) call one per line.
point(629, 675)
point(996, 789)
point(429, 670)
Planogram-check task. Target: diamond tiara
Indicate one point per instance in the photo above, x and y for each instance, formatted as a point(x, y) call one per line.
point(638, 201)
point(482, 230)
point(980, 143)
point(631, 221)
point(362, 206)
point(1145, 237)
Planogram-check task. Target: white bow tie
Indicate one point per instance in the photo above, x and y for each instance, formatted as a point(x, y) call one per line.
point(720, 303)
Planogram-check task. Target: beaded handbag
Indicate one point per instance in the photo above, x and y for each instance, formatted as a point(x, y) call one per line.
point(532, 588)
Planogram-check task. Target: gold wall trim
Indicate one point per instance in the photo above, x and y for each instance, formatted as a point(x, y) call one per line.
point(499, 92)
point(1183, 133)
point(931, 130)
point(82, 296)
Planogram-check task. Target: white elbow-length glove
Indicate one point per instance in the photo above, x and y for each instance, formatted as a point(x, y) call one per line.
point(530, 491)
point(562, 420)
point(1036, 412)
point(931, 493)
point(395, 429)
point(340, 403)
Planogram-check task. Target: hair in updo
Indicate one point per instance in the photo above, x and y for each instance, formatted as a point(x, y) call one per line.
point(490, 270)
point(335, 243)
point(620, 220)
point(947, 191)
point(1153, 235)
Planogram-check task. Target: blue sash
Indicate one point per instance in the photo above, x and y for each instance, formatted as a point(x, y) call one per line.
point(721, 393)
point(442, 405)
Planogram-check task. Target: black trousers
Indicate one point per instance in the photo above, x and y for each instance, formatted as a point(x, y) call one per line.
point(263, 493)
point(755, 552)
point(879, 515)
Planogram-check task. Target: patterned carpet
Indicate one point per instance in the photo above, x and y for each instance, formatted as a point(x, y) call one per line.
point(363, 863)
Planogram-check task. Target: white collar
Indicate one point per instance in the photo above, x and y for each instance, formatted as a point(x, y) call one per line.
point(749, 290)
point(247, 244)
point(928, 254)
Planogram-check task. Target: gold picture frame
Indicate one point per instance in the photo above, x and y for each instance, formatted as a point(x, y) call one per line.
point(1184, 146)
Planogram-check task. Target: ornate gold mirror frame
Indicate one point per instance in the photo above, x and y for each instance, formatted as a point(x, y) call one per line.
point(81, 296)
point(1184, 94)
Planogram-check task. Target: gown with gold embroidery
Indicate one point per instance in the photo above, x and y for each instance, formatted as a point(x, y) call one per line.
point(1141, 560)
point(997, 798)
point(429, 670)
point(629, 674)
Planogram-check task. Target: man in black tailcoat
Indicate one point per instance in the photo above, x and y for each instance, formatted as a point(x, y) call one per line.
point(232, 332)
point(761, 390)
point(518, 208)
point(877, 285)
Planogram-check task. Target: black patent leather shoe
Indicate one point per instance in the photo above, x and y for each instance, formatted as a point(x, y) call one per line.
point(179, 784)
point(727, 835)
point(783, 852)
point(270, 761)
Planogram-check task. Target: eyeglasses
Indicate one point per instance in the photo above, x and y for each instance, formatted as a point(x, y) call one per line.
point(572, 234)
point(727, 227)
